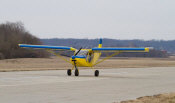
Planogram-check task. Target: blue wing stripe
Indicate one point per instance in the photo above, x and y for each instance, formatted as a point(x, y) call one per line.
point(43, 47)
point(127, 49)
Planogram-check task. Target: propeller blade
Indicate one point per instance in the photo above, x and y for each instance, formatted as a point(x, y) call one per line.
point(78, 51)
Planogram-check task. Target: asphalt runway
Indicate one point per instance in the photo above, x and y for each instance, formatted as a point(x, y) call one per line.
point(113, 85)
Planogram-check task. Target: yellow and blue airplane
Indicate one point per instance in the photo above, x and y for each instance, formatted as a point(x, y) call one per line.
point(85, 57)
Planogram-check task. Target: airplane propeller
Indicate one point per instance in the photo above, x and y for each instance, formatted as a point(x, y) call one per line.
point(78, 51)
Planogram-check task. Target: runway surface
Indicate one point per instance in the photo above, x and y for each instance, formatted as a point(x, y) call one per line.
point(112, 85)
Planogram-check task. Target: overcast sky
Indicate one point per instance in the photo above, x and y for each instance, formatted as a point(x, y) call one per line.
point(118, 19)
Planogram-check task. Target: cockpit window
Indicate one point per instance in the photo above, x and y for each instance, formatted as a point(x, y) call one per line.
point(82, 53)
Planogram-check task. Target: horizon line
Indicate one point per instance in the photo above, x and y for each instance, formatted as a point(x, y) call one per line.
point(113, 39)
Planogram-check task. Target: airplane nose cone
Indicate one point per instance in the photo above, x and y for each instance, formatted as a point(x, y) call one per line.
point(73, 57)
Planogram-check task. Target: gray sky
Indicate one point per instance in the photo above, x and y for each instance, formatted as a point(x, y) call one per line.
point(118, 19)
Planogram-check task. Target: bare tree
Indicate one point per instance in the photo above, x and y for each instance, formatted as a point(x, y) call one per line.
point(12, 34)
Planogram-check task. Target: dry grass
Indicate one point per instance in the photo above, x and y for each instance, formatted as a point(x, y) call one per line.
point(56, 63)
point(138, 62)
point(161, 98)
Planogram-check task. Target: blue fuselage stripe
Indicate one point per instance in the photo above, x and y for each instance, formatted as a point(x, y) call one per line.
point(73, 57)
point(128, 49)
point(42, 46)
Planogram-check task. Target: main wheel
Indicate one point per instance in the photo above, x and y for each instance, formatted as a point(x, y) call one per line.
point(96, 73)
point(69, 72)
point(76, 72)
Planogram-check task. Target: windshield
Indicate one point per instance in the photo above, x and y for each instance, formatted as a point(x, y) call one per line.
point(82, 53)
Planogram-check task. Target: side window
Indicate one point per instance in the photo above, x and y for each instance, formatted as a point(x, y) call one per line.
point(90, 57)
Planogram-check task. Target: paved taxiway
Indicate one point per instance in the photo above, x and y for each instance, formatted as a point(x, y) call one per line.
point(112, 85)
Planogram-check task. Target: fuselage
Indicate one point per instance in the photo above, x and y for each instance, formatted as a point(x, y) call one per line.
point(85, 58)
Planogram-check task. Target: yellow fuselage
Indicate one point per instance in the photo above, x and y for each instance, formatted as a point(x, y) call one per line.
point(81, 62)
point(88, 61)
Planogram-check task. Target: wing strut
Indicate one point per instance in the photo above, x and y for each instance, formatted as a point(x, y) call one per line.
point(108, 57)
point(58, 55)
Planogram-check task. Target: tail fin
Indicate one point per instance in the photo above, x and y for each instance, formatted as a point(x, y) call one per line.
point(100, 43)
point(97, 54)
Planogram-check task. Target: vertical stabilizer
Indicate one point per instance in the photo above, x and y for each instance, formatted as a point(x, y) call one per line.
point(97, 54)
point(100, 43)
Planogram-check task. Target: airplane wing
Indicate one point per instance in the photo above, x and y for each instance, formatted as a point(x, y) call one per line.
point(117, 51)
point(47, 47)
point(121, 49)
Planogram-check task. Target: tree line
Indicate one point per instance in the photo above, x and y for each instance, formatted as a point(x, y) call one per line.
point(12, 34)
point(168, 45)
point(161, 48)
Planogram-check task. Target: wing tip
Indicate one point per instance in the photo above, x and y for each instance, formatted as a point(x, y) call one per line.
point(19, 45)
point(147, 49)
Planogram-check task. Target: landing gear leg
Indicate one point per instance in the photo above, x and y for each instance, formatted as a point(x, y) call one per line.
point(76, 71)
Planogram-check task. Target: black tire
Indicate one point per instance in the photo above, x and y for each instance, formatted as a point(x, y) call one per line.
point(96, 73)
point(76, 72)
point(69, 72)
